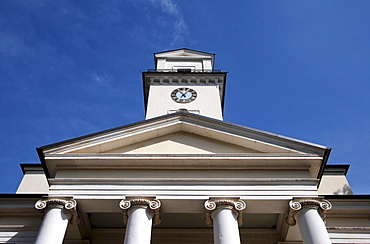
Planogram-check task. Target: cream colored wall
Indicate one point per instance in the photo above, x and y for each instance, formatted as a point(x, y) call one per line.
point(334, 185)
point(33, 182)
point(208, 100)
point(207, 64)
point(181, 143)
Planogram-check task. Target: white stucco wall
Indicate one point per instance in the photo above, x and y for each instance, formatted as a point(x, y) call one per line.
point(208, 101)
point(334, 185)
point(33, 182)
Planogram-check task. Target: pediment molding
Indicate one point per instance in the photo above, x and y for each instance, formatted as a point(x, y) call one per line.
point(212, 129)
point(183, 52)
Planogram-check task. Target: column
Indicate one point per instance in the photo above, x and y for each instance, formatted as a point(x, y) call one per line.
point(310, 215)
point(57, 213)
point(139, 214)
point(225, 215)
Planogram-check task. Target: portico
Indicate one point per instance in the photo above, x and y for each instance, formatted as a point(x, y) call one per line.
point(225, 215)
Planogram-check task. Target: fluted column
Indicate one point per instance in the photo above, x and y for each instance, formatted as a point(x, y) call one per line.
point(310, 215)
point(225, 215)
point(139, 214)
point(57, 213)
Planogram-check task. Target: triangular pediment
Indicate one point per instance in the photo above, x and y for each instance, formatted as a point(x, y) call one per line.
point(183, 53)
point(181, 136)
point(183, 133)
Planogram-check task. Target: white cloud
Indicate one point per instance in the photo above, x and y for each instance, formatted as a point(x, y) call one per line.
point(101, 79)
point(180, 28)
point(167, 6)
point(181, 32)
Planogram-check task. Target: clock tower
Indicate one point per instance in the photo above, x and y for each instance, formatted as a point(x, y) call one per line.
point(184, 80)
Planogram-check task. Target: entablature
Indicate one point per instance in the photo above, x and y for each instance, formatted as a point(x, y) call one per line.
point(183, 161)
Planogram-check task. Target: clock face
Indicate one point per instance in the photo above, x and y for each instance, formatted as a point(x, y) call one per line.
point(183, 95)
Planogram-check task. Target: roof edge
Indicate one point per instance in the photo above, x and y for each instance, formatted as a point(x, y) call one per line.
point(188, 49)
point(33, 166)
point(212, 123)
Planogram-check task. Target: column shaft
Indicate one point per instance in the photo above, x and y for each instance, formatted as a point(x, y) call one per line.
point(225, 226)
point(139, 225)
point(225, 215)
point(53, 226)
point(312, 227)
point(139, 213)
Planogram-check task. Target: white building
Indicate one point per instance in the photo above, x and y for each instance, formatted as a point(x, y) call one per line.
point(184, 175)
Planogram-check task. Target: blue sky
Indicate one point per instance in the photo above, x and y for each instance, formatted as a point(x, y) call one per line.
point(296, 68)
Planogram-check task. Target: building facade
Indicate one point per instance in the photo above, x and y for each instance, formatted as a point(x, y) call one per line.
point(184, 175)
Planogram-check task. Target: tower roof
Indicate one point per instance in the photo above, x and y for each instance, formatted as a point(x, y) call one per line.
point(184, 53)
point(184, 50)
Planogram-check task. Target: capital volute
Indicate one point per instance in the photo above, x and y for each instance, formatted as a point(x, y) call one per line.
point(68, 204)
point(235, 204)
point(297, 204)
point(149, 203)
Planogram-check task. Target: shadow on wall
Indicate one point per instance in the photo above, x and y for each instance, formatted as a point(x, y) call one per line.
point(346, 190)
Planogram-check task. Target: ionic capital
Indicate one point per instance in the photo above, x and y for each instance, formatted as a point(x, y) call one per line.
point(68, 205)
point(234, 204)
point(320, 204)
point(149, 203)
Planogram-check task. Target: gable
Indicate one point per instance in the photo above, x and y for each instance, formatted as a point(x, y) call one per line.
point(178, 137)
point(183, 53)
point(184, 130)
point(183, 140)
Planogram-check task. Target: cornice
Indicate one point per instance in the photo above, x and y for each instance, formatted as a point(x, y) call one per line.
point(188, 181)
point(221, 156)
point(57, 162)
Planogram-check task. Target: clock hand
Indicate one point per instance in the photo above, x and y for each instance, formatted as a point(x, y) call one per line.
point(183, 91)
